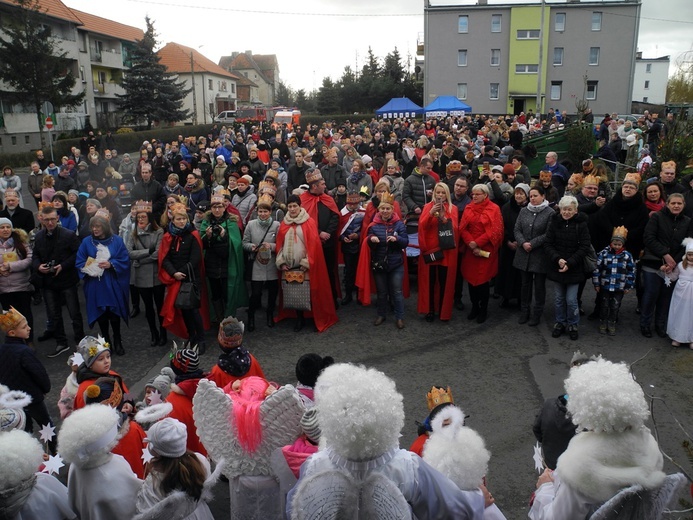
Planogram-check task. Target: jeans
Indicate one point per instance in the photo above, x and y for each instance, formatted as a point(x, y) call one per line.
point(390, 283)
point(609, 305)
point(54, 300)
point(656, 297)
point(566, 303)
point(533, 283)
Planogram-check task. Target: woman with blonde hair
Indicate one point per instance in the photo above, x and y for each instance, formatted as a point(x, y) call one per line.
point(438, 237)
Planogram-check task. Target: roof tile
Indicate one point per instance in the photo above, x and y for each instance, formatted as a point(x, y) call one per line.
point(98, 25)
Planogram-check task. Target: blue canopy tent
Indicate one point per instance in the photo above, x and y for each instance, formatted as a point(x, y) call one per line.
point(447, 106)
point(398, 108)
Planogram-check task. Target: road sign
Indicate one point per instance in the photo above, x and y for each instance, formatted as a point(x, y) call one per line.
point(49, 123)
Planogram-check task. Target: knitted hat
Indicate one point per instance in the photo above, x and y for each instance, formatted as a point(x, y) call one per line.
point(366, 159)
point(184, 360)
point(230, 333)
point(7, 222)
point(91, 348)
point(105, 390)
point(631, 139)
point(309, 367)
point(162, 382)
point(310, 425)
point(524, 187)
point(688, 244)
point(167, 438)
point(245, 179)
point(11, 319)
point(508, 169)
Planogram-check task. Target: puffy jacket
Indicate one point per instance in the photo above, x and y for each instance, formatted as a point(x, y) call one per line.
point(143, 247)
point(569, 240)
point(415, 190)
point(391, 250)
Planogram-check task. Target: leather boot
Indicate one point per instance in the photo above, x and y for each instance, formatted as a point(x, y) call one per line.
point(483, 312)
point(117, 340)
point(218, 307)
point(300, 323)
point(163, 337)
point(251, 321)
point(155, 338)
point(270, 318)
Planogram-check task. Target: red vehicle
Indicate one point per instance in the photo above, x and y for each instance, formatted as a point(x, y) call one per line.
point(247, 114)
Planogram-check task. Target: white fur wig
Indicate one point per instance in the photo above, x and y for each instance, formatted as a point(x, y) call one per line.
point(21, 456)
point(361, 412)
point(603, 397)
point(456, 451)
point(88, 433)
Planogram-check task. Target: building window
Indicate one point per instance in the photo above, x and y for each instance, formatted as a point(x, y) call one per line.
point(594, 55)
point(233, 88)
point(496, 23)
point(526, 69)
point(81, 74)
point(102, 77)
point(559, 22)
point(596, 21)
point(558, 56)
point(463, 24)
point(591, 90)
point(14, 140)
point(223, 86)
point(644, 100)
point(462, 58)
point(647, 84)
point(528, 34)
point(27, 139)
point(648, 68)
point(493, 91)
point(210, 84)
point(495, 57)
point(461, 91)
point(556, 87)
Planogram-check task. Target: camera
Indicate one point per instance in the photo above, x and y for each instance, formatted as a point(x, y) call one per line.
point(216, 229)
point(51, 266)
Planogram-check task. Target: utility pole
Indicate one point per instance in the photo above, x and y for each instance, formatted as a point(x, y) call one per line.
point(192, 75)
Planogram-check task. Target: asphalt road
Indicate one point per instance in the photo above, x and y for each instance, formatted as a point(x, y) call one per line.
point(500, 373)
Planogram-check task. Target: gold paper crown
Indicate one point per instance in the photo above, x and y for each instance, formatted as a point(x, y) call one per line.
point(620, 232)
point(178, 209)
point(42, 205)
point(274, 174)
point(217, 198)
point(633, 177)
point(578, 178)
point(103, 213)
point(313, 176)
point(545, 175)
point(353, 198)
point(387, 198)
point(591, 180)
point(669, 166)
point(265, 201)
point(11, 319)
point(142, 206)
point(267, 188)
point(438, 396)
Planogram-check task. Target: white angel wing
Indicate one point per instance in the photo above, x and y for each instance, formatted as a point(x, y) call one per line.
point(213, 413)
point(335, 495)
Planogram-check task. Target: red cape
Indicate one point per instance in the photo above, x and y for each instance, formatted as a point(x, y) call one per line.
point(428, 242)
point(130, 448)
point(371, 211)
point(418, 445)
point(364, 274)
point(321, 300)
point(222, 378)
point(481, 223)
point(183, 411)
point(173, 318)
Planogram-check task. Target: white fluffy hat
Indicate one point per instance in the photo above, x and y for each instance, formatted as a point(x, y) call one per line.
point(604, 397)
point(167, 438)
point(21, 456)
point(361, 413)
point(87, 433)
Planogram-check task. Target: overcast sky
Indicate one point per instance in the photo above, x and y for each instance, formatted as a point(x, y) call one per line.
point(328, 35)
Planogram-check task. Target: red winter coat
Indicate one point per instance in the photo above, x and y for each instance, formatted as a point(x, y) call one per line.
point(481, 223)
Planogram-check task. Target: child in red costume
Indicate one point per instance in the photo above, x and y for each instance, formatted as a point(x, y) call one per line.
point(96, 356)
point(235, 362)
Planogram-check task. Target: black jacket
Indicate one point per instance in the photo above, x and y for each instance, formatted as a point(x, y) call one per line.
point(569, 240)
point(22, 370)
point(21, 218)
point(630, 213)
point(184, 252)
point(150, 192)
point(663, 236)
point(554, 428)
point(61, 246)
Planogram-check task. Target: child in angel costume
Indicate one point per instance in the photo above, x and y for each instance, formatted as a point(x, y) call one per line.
point(361, 472)
point(178, 482)
point(243, 424)
point(679, 324)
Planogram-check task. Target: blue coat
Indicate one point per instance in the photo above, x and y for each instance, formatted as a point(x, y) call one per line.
point(391, 250)
point(112, 290)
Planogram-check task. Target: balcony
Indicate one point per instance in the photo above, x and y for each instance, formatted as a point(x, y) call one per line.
point(420, 44)
point(107, 90)
point(111, 58)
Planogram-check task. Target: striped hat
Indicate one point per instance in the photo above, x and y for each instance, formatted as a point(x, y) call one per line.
point(310, 425)
point(184, 360)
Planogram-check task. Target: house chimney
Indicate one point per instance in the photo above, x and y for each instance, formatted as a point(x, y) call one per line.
point(249, 53)
point(234, 54)
point(638, 55)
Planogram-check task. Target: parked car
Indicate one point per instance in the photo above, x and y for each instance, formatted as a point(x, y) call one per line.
point(226, 117)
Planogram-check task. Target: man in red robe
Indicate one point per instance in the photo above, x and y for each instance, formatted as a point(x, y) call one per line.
point(323, 210)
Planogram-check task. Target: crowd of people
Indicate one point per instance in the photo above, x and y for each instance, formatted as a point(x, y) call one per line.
point(200, 228)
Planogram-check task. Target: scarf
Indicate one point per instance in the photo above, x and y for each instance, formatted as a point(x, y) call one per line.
point(235, 362)
point(7, 244)
point(190, 187)
point(300, 218)
point(654, 206)
point(355, 177)
point(539, 207)
point(178, 232)
point(14, 498)
point(265, 223)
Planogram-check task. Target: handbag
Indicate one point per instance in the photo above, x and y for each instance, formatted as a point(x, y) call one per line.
point(188, 296)
point(433, 256)
point(263, 257)
point(446, 238)
point(589, 263)
point(379, 266)
point(296, 290)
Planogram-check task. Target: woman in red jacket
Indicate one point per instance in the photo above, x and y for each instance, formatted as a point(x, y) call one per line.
point(481, 231)
point(438, 236)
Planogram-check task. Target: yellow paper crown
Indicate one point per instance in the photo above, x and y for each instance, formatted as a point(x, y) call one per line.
point(11, 319)
point(620, 232)
point(178, 209)
point(42, 205)
point(387, 198)
point(265, 201)
point(591, 180)
point(267, 188)
point(217, 198)
point(633, 177)
point(142, 206)
point(438, 396)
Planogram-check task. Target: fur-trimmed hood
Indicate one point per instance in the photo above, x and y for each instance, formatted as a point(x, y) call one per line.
point(599, 464)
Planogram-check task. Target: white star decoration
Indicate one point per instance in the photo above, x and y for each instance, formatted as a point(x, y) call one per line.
point(147, 455)
point(53, 464)
point(77, 359)
point(154, 397)
point(538, 459)
point(667, 281)
point(47, 433)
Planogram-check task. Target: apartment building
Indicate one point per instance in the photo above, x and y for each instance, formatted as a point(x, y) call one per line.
point(650, 79)
point(500, 58)
point(261, 69)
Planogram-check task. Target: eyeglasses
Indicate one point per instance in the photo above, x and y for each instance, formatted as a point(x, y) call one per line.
point(142, 217)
